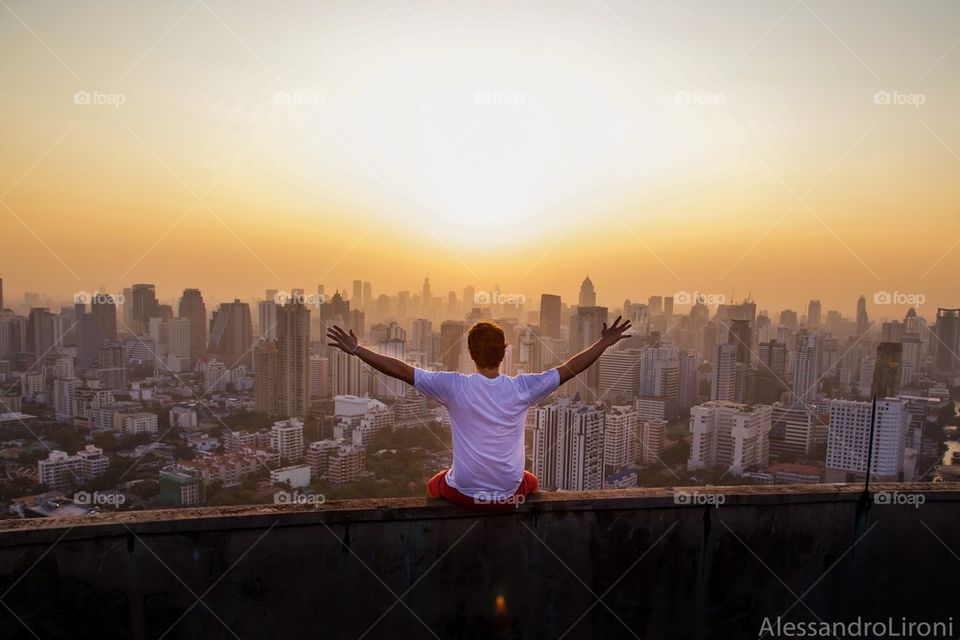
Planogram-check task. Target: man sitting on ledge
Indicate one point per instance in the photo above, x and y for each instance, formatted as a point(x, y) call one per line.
point(487, 412)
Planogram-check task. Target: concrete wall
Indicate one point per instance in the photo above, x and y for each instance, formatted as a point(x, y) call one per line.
point(619, 564)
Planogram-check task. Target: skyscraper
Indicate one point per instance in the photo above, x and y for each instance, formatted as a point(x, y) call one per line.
point(144, 306)
point(550, 309)
point(771, 375)
point(293, 359)
point(741, 335)
point(848, 439)
point(723, 384)
point(813, 315)
point(568, 445)
point(806, 368)
point(193, 309)
point(887, 371)
point(104, 310)
point(358, 301)
point(863, 320)
point(452, 338)
point(588, 297)
point(947, 332)
point(729, 434)
point(231, 335)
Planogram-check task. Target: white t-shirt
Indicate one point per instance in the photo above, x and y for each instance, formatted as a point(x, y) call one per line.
point(487, 417)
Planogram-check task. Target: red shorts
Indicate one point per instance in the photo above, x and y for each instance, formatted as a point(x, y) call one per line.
point(438, 488)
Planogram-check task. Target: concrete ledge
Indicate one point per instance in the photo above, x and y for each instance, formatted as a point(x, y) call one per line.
point(615, 564)
point(208, 519)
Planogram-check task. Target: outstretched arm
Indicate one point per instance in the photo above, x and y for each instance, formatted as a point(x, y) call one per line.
point(582, 361)
point(349, 343)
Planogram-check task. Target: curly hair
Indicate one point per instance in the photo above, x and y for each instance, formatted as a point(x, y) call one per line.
point(487, 344)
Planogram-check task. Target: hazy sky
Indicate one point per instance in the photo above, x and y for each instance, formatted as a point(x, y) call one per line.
point(726, 147)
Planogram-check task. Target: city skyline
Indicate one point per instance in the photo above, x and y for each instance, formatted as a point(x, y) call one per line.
point(523, 156)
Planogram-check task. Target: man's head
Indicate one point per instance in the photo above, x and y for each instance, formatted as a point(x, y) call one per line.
point(487, 344)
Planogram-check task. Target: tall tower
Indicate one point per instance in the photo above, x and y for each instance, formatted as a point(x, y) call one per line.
point(588, 296)
point(948, 339)
point(358, 300)
point(863, 320)
point(723, 384)
point(231, 336)
point(293, 359)
point(145, 306)
point(806, 368)
point(550, 306)
point(813, 315)
point(452, 338)
point(104, 310)
point(193, 309)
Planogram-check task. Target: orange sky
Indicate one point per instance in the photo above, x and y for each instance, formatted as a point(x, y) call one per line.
point(662, 147)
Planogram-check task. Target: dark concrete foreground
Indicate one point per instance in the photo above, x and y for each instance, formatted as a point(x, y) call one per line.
point(617, 564)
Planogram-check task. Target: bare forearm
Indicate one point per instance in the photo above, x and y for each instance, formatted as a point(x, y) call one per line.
point(385, 364)
point(582, 361)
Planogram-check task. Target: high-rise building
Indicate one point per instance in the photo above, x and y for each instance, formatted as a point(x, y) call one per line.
point(178, 353)
point(621, 441)
point(947, 331)
point(293, 359)
point(806, 368)
point(741, 335)
point(286, 438)
point(104, 310)
point(728, 434)
point(144, 305)
point(588, 296)
point(231, 335)
point(887, 373)
point(813, 315)
point(44, 332)
point(723, 383)
point(550, 309)
point(193, 309)
point(266, 378)
point(772, 371)
point(320, 377)
point(792, 431)
point(848, 439)
point(863, 320)
point(358, 301)
point(586, 326)
point(619, 377)
point(453, 336)
point(267, 319)
point(568, 445)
